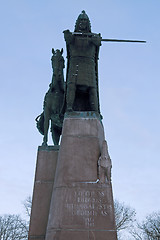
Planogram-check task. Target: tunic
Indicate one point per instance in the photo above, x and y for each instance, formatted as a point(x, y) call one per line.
point(82, 58)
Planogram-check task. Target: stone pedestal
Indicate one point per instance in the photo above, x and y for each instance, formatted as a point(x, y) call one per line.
point(82, 204)
point(43, 185)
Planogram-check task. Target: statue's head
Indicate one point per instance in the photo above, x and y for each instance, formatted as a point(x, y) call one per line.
point(83, 23)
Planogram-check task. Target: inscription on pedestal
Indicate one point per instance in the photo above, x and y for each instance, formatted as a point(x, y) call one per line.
point(87, 205)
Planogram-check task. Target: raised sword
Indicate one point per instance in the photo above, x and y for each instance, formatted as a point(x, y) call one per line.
point(106, 39)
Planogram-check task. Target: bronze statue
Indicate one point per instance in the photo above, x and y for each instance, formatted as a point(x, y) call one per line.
point(82, 68)
point(53, 101)
point(81, 92)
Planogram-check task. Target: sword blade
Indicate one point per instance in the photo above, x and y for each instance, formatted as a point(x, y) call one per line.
point(107, 40)
point(121, 40)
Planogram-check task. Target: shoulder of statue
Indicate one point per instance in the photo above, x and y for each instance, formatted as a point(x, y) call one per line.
point(66, 31)
point(68, 36)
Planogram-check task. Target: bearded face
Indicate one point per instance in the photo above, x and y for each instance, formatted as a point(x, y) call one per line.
point(83, 23)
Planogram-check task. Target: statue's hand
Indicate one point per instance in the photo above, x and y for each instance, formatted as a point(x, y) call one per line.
point(96, 40)
point(66, 31)
point(67, 35)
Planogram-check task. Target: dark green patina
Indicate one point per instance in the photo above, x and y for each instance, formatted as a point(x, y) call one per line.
point(53, 101)
point(80, 94)
point(82, 67)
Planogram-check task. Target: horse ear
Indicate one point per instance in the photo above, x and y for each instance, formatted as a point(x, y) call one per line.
point(53, 50)
point(61, 51)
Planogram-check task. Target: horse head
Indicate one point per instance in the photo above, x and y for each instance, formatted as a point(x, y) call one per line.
point(57, 62)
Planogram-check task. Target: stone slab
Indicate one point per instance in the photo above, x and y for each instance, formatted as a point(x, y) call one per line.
point(81, 235)
point(87, 206)
point(43, 186)
point(81, 207)
point(75, 152)
point(102, 235)
point(87, 114)
point(67, 235)
point(37, 237)
point(80, 149)
point(46, 164)
point(85, 127)
point(40, 208)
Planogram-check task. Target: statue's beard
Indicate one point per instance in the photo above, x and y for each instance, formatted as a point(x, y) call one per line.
point(83, 28)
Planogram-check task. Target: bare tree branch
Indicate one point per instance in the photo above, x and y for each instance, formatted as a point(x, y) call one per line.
point(124, 215)
point(12, 227)
point(27, 205)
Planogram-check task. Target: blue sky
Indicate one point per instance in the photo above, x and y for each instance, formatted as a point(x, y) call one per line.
point(129, 92)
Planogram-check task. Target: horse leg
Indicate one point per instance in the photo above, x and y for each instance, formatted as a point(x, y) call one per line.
point(55, 135)
point(46, 126)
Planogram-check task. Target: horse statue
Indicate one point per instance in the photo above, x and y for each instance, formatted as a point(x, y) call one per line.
point(53, 101)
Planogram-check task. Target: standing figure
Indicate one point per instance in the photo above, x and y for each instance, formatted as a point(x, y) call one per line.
point(104, 165)
point(53, 101)
point(82, 68)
